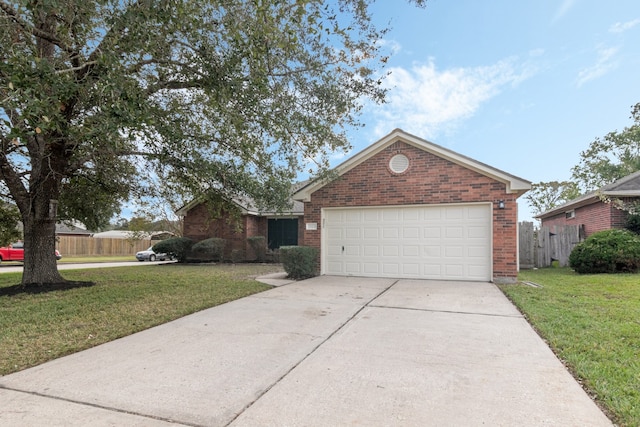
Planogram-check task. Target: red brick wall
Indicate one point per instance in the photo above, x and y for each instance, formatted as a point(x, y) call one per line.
point(597, 216)
point(199, 225)
point(429, 180)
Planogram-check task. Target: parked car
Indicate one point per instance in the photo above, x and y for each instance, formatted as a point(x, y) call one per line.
point(150, 255)
point(15, 252)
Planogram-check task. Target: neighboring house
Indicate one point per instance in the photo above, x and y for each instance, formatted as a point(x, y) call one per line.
point(278, 228)
point(402, 208)
point(63, 229)
point(591, 212)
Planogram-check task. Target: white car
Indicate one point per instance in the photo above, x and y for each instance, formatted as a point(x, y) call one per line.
point(149, 255)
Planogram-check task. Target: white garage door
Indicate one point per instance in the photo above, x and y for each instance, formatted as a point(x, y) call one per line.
point(450, 242)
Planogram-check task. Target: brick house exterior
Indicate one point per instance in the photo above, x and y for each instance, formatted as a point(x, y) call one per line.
point(434, 177)
point(592, 211)
point(199, 223)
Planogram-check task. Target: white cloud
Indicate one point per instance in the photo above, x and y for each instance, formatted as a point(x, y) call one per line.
point(603, 65)
point(426, 101)
point(563, 9)
point(620, 27)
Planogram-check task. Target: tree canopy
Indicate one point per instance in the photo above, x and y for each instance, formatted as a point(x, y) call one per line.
point(544, 196)
point(610, 158)
point(106, 100)
point(607, 159)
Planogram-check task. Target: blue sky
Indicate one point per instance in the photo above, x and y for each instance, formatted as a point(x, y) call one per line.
point(523, 86)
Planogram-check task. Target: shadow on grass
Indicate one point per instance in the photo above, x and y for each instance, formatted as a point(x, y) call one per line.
point(41, 288)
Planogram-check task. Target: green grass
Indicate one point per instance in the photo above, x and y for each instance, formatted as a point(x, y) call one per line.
point(35, 328)
point(593, 324)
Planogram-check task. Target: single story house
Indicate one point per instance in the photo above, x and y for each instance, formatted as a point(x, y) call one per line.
point(402, 208)
point(76, 230)
point(592, 211)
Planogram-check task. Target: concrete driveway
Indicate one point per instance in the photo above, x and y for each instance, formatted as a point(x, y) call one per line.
point(325, 351)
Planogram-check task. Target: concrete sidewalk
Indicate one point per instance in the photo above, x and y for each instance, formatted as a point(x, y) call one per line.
point(325, 351)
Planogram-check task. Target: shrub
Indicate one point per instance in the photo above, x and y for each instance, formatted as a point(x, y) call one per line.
point(177, 246)
point(209, 249)
point(299, 261)
point(633, 223)
point(259, 246)
point(609, 251)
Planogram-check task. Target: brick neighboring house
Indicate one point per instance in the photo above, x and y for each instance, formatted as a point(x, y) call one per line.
point(591, 212)
point(401, 208)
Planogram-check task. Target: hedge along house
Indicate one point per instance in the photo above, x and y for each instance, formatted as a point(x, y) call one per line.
point(597, 210)
point(200, 222)
point(407, 208)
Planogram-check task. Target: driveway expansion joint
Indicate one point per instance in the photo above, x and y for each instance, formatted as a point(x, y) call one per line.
point(97, 406)
point(515, 316)
point(313, 350)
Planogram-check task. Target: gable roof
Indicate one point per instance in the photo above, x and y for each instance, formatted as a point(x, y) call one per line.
point(514, 184)
point(628, 186)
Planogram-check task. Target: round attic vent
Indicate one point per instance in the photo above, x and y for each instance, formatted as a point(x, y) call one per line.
point(399, 163)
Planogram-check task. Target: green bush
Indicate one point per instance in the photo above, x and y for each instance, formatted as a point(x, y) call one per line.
point(177, 246)
point(211, 249)
point(609, 251)
point(299, 261)
point(259, 246)
point(633, 223)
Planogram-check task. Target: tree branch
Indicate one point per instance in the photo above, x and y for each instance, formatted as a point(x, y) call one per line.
point(36, 32)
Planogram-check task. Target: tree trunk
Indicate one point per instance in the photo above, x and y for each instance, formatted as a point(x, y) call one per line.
point(40, 265)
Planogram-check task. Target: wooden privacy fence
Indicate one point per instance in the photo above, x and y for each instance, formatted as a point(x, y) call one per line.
point(80, 246)
point(540, 247)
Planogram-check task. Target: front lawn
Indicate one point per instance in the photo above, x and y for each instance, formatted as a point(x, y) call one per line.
point(593, 324)
point(35, 328)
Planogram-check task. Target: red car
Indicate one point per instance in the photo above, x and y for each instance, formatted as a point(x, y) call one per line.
point(15, 252)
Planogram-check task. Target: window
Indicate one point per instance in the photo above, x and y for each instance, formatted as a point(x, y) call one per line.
point(570, 214)
point(282, 232)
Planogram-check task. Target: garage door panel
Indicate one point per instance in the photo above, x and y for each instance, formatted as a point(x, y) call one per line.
point(477, 212)
point(370, 233)
point(411, 270)
point(411, 233)
point(391, 269)
point(352, 233)
point(437, 242)
point(353, 268)
point(454, 232)
point(454, 270)
point(370, 250)
point(410, 250)
point(391, 214)
point(454, 252)
point(432, 251)
point(454, 213)
point(334, 250)
point(353, 216)
point(390, 233)
point(351, 250)
point(477, 232)
point(390, 251)
point(432, 232)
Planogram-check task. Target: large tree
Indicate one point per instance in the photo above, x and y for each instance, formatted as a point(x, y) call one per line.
point(544, 196)
point(101, 101)
point(612, 157)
